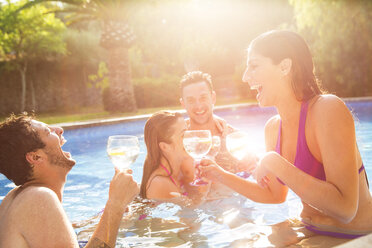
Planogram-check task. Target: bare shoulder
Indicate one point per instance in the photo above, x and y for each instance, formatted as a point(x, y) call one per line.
point(271, 132)
point(231, 129)
point(160, 187)
point(8, 198)
point(272, 126)
point(330, 108)
point(36, 196)
point(40, 218)
point(36, 202)
point(328, 101)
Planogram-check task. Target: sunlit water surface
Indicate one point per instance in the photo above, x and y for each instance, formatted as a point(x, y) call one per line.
point(219, 223)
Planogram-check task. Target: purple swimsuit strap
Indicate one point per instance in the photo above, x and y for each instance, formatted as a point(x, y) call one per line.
point(361, 168)
point(304, 160)
point(333, 234)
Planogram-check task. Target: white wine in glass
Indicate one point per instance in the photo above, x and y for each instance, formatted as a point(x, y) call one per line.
point(197, 144)
point(123, 150)
point(216, 144)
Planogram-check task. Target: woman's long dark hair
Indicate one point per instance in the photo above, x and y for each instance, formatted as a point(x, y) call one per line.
point(158, 128)
point(280, 44)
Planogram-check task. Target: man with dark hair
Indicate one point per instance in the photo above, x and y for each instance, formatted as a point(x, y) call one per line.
point(31, 215)
point(198, 98)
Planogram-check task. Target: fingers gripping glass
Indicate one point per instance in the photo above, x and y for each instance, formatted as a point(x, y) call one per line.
point(197, 144)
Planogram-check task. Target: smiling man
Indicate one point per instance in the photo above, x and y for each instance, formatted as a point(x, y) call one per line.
point(198, 98)
point(31, 215)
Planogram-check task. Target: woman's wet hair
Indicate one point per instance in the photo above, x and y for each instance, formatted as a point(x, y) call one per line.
point(158, 128)
point(279, 45)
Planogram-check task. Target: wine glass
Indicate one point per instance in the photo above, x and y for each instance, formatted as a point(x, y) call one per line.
point(123, 150)
point(197, 144)
point(237, 143)
point(216, 144)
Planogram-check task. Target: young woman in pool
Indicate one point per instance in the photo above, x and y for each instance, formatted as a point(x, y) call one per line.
point(311, 144)
point(161, 178)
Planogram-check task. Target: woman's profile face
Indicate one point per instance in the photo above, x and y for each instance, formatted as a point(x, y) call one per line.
point(263, 76)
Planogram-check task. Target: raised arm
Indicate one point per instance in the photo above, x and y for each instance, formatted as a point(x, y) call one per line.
point(335, 137)
point(122, 191)
point(273, 192)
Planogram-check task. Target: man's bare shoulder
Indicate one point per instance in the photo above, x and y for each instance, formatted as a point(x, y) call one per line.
point(36, 202)
point(40, 218)
point(36, 196)
point(8, 198)
point(33, 216)
point(231, 129)
point(20, 199)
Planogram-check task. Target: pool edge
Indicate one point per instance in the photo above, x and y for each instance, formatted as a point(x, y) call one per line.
point(110, 121)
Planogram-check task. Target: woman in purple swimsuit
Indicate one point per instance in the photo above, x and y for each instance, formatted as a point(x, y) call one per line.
point(311, 144)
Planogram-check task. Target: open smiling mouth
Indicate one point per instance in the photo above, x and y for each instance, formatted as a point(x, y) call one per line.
point(257, 87)
point(200, 112)
point(66, 154)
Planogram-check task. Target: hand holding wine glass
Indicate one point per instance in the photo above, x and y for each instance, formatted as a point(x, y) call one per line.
point(197, 144)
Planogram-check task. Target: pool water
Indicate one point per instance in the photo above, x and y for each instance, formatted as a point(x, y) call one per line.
point(218, 223)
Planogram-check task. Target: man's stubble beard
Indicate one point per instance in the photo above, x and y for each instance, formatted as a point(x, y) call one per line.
point(59, 160)
point(194, 120)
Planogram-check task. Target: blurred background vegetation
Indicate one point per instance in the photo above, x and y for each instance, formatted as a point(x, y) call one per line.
point(78, 56)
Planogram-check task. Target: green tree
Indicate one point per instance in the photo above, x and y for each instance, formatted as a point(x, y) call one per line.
point(27, 36)
point(117, 36)
point(339, 33)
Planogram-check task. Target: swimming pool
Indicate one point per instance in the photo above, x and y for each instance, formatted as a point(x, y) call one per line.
point(220, 223)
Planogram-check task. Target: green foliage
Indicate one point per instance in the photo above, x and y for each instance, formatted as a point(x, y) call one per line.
point(83, 47)
point(81, 10)
point(339, 33)
point(99, 80)
point(30, 34)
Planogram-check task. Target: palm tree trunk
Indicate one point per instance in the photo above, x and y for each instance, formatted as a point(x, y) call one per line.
point(33, 98)
point(22, 71)
point(121, 88)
